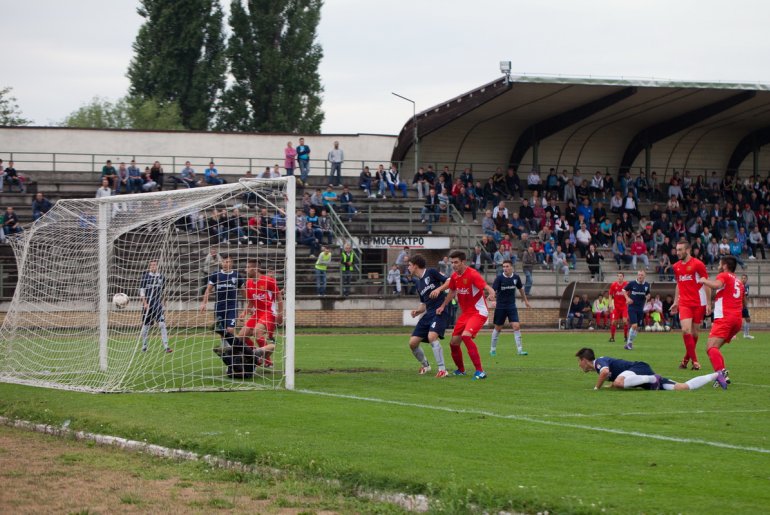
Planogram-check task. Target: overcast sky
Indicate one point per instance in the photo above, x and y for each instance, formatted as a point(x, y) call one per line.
point(59, 54)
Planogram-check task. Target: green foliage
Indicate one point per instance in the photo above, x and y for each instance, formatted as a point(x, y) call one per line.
point(274, 62)
point(533, 437)
point(126, 114)
point(10, 114)
point(179, 58)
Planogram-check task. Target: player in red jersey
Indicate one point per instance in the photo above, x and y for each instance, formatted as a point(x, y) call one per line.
point(265, 304)
point(468, 286)
point(690, 299)
point(728, 304)
point(620, 308)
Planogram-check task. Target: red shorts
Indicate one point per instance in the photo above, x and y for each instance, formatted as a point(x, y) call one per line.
point(696, 313)
point(617, 314)
point(472, 322)
point(726, 328)
point(266, 320)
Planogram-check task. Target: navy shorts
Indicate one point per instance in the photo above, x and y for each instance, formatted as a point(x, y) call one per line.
point(745, 313)
point(641, 368)
point(225, 319)
point(511, 313)
point(431, 323)
point(153, 314)
point(635, 316)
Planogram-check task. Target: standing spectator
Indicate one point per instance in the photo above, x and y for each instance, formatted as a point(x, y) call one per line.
point(11, 223)
point(639, 252)
point(402, 260)
point(188, 177)
point(289, 157)
point(420, 183)
point(431, 210)
point(40, 206)
point(347, 264)
point(528, 261)
point(394, 181)
point(394, 278)
point(211, 176)
point(594, 259)
point(156, 173)
point(108, 172)
point(365, 182)
point(321, 265)
point(336, 157)
point(303, 159)
point(346, 203)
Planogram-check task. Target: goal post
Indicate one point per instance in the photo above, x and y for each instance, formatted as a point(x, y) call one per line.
point(62, 330)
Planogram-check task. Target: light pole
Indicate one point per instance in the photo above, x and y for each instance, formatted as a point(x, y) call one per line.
point(416, 139)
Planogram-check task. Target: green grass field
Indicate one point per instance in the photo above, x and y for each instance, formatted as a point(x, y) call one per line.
point(532, 437)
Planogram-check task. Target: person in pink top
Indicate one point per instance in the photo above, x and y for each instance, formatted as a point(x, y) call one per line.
point(468, 286)
point(290, 155)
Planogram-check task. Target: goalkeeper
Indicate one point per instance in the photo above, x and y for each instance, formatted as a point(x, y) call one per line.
point(151, 290)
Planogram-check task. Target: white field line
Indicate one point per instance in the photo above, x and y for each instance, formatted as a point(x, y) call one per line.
point(533, 420)
point(647, 413)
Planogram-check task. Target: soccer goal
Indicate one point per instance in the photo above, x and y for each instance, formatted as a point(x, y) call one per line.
point(69, 325)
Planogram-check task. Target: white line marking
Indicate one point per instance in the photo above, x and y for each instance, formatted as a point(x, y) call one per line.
point(533, 420)
point(647, 414)
point(754, 385)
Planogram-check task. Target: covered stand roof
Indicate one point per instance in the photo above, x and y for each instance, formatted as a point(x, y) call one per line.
point(602, 124)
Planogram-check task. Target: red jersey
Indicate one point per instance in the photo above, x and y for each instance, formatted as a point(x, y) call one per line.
point(728, 302)
point(262, 294)
point(691, 294)
point(618, 295)
point(470, 291)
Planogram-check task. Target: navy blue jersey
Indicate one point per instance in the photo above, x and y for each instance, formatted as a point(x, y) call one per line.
point(151, 287)
point(638, 293)
point(618, 366)
point(226, 286)
point(745, 290)
point(429, 281)
point(505, 290)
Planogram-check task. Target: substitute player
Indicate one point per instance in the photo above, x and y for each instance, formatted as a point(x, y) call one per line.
point(637, 294)
point(264, 309)
point(620, 309)
point(505, 287)
point(728, 304)
point(633, 374)
point(689, 299)
point(468, 286)
point(431, 327)
point(227, 283)
point(745, 312)
point(151, 290)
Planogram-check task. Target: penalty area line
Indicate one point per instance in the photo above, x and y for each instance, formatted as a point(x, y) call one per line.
point(533, 420)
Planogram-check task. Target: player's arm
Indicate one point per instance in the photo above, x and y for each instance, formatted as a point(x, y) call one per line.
point(205, 299)
point(524, 297)
point(675, 305)
point(447, 300)
point(604, 373)
point(279, 301)
point(435, 293)
point(419, 311)
point(712, 283)
point(491, 294)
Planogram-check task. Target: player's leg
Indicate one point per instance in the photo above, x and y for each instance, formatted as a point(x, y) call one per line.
point(160, 317)
point(747, 324)
point(146, 324)
point(499, 321)
point(454, 344)
point(614, 321)
point(687, 339)
point(694, 383)
point(634, 316)
point(247, 331)
point(697, 319)
point(472, 327)
point(513, 316)
point(414, 345)
point(633, 378)
point(436, 333)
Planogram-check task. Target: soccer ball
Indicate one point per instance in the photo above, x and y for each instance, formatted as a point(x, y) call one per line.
point(667, 328)
point(648, 328)
point(120, 300)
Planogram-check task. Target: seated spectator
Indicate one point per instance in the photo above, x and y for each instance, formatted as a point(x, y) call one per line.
point(187, 176)
point(394, 279)
point(616, 203)
point(466, 202)
point(346, 203)
point(365, 182)
point(134, 180)
point(108, 172)
point(487, 225)
point(478, 259)
point(620, 251)
point(664, 268)
point(630, 206)
point(510, 185)
point(147, 183)
point(559, 259)
point(156, 173)
point(601, 311)
point(639, 252)
point(329, 197)
point(489, 194)
point(575, 315)
point(393, 178)
point(211, 176)
point(501, 255)
point(583, 237)
point(533, 181)
point(279, 224)
point(121, 181)
point(570, 193)
point(317, 200)
point(307, 236)
point(325, 226)
point(736, 250)
point(420, 183)
point(11, 223)
point(583, 191)
point(381, 178)
point(236, 226)
point(466, 177)
point(527, 215)
point(40, 206)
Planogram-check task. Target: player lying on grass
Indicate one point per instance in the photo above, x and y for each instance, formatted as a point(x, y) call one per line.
point(634, 374)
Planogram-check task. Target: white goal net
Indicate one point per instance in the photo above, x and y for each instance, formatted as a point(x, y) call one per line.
point(65, 327)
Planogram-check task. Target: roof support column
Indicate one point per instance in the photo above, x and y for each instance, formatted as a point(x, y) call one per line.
point(647, 159)
point(535, 155)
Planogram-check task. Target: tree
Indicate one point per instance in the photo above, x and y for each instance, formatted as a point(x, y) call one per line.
point(274, 62)
point(180, 58)
point(10, 114)
point(126, 113)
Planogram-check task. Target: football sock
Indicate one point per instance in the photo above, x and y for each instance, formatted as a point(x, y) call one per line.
point(420, 355)
point(495, 336)
point(517, 337)
point(717, 360)
point(144, 333)
point(261, 342)
point(697, 382)
point(613, 329)
point(634, 381)
point(457, 357)
point(473, 352)
point(746, 328)
point(693, 354)
point(163, 333)
point(689, 347)
point(438, 353)
point(631, 335)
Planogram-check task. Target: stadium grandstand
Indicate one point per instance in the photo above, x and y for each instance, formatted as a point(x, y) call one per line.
point(689, 156)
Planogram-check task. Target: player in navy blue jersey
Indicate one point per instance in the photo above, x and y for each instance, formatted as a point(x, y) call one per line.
point(151, 290)
point(637, 293)
point(632, 374)
point(745, 311)
point(431, 326)
point(227, 283)
point(505, 286)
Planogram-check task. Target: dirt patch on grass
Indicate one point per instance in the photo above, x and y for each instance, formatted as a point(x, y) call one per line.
point(44, 474)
